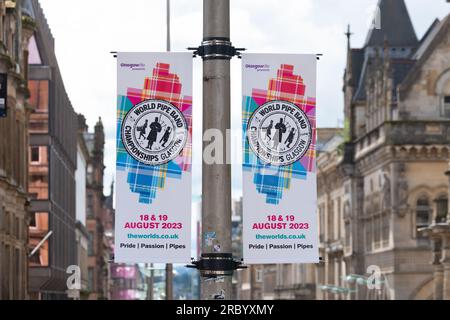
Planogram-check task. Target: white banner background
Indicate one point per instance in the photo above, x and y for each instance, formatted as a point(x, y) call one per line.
point(279, 202)
point(153, 203)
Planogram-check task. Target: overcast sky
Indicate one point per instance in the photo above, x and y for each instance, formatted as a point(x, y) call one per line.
point(85, 32)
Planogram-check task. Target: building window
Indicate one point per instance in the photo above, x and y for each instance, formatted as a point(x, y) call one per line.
point(6, 271)
point(17, 229)
point(13, 232)
point(259, 275)
point(33, 220)
point(91, 244)
point(386, 227)
point(17, 279)
point(369, 238)
point(338, 220)
point(322, 223)
point(348, 235)
point(377, 231)
point(7, 223)
point(447, 106)
point(90, 206)
point(35, 154)
point(90, 174)
point(38, 185)
point(422, 213)
point(331, 222)
point(91, 279)
point(38, 229)
point(2, 213)
point(39, 95)
point(441, 209)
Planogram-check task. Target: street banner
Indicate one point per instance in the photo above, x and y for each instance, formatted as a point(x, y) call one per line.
point(279, 169)
point(153, 176)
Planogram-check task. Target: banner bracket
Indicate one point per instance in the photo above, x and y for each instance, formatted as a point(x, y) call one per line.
point(216, 48)
point(213, 265)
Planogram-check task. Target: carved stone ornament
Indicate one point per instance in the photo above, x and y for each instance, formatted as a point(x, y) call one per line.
point(386, 190)
point(402, 191)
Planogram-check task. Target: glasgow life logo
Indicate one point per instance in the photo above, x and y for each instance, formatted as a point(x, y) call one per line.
point(154, 132)
point(279, 133)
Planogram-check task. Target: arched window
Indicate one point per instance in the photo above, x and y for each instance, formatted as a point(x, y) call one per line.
point(441, 209)
point(423, 212)
point(443, 92)
point(330, 227)
point(322, 222)
point(446, 103)
point(348, 235)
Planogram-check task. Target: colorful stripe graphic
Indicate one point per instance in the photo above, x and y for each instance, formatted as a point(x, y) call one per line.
point(143, 179)
point(269, 180)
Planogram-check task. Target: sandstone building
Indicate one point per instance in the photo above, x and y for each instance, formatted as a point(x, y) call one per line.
point(16, 27)
point(381, 184)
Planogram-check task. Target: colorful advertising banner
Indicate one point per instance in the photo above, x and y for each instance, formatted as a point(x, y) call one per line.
point(279, 169)
point(154, 126)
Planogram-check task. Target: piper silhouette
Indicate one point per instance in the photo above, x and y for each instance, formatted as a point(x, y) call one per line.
point(155, 128)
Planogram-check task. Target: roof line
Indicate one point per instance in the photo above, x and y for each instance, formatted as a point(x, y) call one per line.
point(412, 75)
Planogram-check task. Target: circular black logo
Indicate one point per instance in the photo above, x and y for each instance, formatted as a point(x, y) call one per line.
point(279, 133)
point(154, 132)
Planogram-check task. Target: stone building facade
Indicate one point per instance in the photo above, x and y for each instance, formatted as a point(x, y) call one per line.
point(99, 248)
point(108, 221)
point(16, 27)
point(81, 233)
point(381, 185)
point(95, 214)
point(292, 281)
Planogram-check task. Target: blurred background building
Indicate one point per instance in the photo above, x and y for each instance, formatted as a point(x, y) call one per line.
point(382, 189)
point(52, 165)
point(51, 180)
point(97, 243)
point(127, 283)
point(82, 235)
point(16, 27)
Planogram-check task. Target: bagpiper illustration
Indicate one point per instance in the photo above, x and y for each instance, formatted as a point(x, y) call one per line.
point(280, 128)
point(155, 128)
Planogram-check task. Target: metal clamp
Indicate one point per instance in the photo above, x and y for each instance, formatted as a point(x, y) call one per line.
point(216, 49)
point(213, 265)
